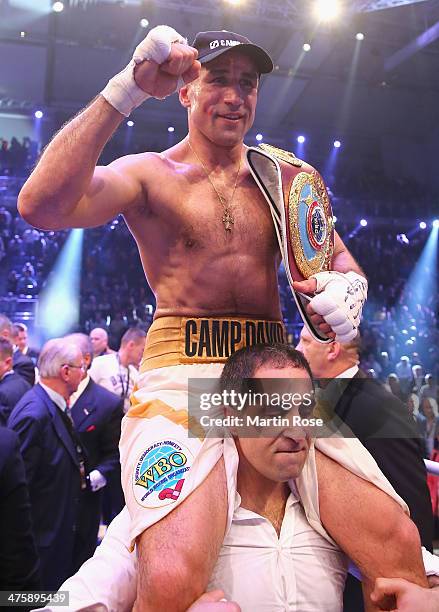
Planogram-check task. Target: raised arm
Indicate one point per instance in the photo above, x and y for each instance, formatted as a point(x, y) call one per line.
point(66, 189)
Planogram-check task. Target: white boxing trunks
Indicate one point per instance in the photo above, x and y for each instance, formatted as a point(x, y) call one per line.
point(161, 463)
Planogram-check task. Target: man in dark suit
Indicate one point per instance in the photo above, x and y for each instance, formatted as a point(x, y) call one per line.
point(97, 414)
point(22, 365)
point(12, 386)
point(20, 338)
point(383, 425)
point(19, 563)
point(54, 460)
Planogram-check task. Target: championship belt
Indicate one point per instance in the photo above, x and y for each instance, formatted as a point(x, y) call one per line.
point(302, 217)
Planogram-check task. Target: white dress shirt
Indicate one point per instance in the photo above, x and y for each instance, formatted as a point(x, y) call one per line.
point(298, 571)
point(107, 371)
point(56, 397)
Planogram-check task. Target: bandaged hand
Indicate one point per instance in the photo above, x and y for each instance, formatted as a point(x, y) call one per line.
point(161, 64)
point(339, 301)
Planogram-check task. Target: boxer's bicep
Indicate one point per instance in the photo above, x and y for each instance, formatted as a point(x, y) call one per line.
point(111, 191)
point(176, 556)
point(368, 525)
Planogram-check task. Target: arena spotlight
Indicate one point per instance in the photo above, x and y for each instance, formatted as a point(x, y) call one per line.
point(402, 239)
point(363, 222)
point(337, 144)
point(171, 129)
point(306, 47)
point(130, 123)
point(22, 34)
point(301, 139)
point(58, 7)
point(334, 219)
point(436, 223)
point(259, 137)
point(326, 10)
point(38, 114)
point(359, 36)
point(422, 225)
point(144, 23)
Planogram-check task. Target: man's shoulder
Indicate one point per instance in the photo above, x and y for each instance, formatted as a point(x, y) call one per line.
point(135, 165)
point(107, 398)
point(32, 404)
point(14, 380)
point(103, 361)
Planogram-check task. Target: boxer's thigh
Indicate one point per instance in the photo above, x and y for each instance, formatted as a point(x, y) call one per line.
point(176, 555)
point(368, 524)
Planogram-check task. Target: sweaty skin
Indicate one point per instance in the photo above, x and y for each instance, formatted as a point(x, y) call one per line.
point(192, 264)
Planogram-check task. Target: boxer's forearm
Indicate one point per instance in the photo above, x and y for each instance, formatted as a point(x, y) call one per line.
point(342, 260)
point(65, 170)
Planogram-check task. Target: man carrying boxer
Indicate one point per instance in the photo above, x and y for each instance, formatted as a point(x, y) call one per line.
point(207, 244)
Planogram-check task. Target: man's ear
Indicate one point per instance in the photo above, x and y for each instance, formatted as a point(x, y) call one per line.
point(333, 350)
point(183, 95)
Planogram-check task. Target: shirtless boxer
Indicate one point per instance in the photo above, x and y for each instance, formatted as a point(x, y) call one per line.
point(209, 251)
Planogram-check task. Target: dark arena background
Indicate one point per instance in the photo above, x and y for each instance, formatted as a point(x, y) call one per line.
point(354, 92)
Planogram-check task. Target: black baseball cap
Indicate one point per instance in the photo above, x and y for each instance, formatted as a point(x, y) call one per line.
point(212, 44)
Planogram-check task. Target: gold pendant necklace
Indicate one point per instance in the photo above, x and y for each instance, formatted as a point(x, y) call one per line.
point(227, 219)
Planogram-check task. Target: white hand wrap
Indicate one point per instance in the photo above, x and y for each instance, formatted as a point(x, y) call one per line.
point(122, 91)
point(340, 301)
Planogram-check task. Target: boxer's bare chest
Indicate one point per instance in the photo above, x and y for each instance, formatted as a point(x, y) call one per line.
point(184, 212)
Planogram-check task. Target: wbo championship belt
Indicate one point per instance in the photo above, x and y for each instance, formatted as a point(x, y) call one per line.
point(302, 217)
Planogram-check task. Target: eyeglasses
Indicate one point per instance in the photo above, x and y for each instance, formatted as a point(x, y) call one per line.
point(82, 367)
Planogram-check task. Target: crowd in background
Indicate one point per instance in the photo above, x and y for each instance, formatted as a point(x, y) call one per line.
point(18, 158)
point(399, 332)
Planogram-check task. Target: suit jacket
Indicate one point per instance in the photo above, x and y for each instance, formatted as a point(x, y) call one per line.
point(384, 426)
point(52, 471)
point(24, 367)
point(12, 389)
point(19, 564)
point(97, 415)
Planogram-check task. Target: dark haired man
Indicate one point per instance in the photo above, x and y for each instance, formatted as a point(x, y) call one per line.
point(271, 558)
point(118, 372)
point(12, 386)
point(209, 250)
point(22, 364)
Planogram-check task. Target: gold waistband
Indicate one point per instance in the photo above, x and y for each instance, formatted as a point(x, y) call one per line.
point(188, 340)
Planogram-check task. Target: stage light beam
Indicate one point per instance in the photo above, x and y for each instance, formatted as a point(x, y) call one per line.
point(60, 299)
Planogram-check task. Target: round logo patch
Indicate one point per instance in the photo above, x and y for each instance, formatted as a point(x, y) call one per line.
point(159, 474)
point(316, 225)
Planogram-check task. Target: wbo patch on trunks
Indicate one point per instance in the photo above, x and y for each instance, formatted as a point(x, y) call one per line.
point(158, 477)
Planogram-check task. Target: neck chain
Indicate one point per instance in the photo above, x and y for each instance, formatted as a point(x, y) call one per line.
point(227, 219)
